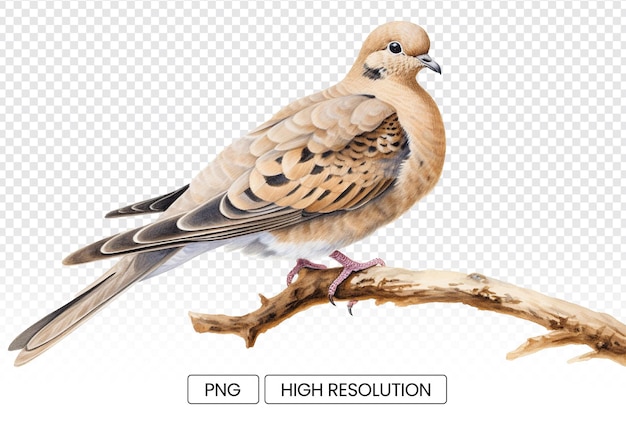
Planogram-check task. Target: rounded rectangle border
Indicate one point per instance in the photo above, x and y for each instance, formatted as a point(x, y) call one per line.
point(356, 389)
point(223, 389)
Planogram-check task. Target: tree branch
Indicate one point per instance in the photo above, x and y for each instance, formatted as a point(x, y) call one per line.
point(568, 323)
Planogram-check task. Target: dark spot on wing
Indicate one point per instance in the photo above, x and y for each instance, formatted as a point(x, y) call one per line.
point(323, 195)
point(293, 191)
point(306, 155)
point(276, 180)
point(250, 194)
point(345, 192)
point(317, 169)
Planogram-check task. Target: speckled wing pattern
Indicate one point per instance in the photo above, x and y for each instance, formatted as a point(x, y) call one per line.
point(323, 154)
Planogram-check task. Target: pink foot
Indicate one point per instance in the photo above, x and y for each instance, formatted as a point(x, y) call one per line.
point(349, 266)
point(302, 263)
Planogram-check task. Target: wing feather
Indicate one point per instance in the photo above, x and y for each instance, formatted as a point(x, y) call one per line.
point(331, 153)
point(149, 206)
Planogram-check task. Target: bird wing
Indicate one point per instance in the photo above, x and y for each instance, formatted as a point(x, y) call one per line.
point(326, 154)
point(149, 206)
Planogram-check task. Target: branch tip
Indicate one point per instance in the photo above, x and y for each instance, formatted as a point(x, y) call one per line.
point(264, 300)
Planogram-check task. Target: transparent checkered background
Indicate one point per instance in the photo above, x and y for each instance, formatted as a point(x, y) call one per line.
point(103, 103)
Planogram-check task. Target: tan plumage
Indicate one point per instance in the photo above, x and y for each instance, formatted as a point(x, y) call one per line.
point(325, 171)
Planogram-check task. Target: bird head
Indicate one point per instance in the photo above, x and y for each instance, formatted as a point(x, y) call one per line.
point(394, 51)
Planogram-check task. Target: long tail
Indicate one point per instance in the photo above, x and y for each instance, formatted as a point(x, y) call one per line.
point(55, 326)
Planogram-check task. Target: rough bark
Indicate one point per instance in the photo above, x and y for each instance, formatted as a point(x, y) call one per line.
point(568, 323)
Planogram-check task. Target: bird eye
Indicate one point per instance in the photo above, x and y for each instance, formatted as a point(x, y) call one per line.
point(394, 48)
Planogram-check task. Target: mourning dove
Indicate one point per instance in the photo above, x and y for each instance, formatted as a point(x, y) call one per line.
point(324, 172)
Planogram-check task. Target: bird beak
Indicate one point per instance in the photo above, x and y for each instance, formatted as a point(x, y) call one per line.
point(428, 62)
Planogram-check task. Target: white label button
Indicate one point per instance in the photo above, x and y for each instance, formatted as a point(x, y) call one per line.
point(223, 389)
point(356, 389)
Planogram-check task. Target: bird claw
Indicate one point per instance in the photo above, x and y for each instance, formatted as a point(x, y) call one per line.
point(349, 267)
point(351, 303)
point(300, 264)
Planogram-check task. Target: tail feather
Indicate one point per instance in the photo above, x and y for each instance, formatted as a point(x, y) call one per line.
point(53, 327)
